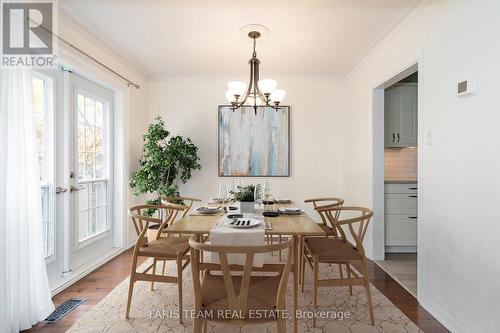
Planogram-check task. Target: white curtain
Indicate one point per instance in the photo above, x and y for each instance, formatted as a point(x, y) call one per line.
point(24, 290)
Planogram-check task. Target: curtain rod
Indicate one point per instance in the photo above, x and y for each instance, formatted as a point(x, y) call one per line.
point(129, 83)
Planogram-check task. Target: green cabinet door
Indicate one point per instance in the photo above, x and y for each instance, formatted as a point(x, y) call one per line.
point(401, 115)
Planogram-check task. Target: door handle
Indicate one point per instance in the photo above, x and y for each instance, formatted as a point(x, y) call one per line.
point(398, 137)
point(75, 189)
point(393, 137)
point(60, 190)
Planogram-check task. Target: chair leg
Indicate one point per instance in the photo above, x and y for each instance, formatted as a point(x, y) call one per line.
point(154, 272)
point(281, 325)
point(163, 267)
point(364, 266)
point(179, 285)
point(197, 325)
point(272, 242)
point(315, 286)
point(279, 240)
point(131, 286)
point(348, 267)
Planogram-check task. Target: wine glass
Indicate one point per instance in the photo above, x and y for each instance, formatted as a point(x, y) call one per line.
point(258, 194)
point(223, 193)
point(266, 187)
point(233, 184)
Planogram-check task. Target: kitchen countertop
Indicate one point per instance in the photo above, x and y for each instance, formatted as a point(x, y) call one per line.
point(400, 181)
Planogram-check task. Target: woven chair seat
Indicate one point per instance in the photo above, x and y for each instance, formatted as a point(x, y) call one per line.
point(166, 247)
point(262, 295)
point(331, 250)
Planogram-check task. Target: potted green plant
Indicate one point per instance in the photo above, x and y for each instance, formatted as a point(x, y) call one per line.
point(165, 160)
point(245, 195)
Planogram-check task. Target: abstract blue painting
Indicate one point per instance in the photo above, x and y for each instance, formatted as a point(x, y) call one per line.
point(254, 145)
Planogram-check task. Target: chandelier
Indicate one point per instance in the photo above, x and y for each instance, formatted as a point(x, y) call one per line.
point(259, 92)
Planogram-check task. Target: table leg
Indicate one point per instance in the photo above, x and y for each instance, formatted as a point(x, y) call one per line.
point(300, 258)
point(295, 281)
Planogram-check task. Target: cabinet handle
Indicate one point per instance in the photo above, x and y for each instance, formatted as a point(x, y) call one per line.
point(393, 137)
point(413, 188)
point(398, 137)
point(413, 196)
point(413, 217)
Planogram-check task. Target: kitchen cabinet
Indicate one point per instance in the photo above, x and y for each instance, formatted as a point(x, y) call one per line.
point(401, 217)
point(401, 116)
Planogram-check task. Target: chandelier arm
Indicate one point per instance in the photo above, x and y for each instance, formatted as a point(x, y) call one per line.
point(257, 90)
point(244, 98)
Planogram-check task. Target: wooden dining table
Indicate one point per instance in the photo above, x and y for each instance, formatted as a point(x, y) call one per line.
point(296, 226)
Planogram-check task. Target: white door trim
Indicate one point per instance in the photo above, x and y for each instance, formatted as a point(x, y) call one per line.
point(377, 194)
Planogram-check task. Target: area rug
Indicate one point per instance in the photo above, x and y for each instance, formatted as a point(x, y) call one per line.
point(154, 311)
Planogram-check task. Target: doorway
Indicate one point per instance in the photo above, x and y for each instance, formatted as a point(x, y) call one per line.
point(74, 118)
point(395, 176)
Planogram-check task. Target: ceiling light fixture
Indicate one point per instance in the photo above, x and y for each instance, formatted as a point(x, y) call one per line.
point(258, 92)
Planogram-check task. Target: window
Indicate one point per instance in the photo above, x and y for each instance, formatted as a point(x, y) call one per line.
point(44, 140)
point(92, 175)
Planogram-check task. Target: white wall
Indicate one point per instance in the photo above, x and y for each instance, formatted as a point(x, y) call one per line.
point(459, 229)
point(189, 107)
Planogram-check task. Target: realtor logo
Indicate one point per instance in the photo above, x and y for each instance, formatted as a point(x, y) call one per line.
point(28, 33)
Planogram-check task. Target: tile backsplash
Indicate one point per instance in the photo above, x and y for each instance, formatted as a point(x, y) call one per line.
point(400, 164)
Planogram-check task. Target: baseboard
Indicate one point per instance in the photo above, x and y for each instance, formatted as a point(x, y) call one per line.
point(401, 249)
point(85, 270)
point(447, 318)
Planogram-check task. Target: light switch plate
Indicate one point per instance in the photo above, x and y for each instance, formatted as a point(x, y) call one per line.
point(467, 87)
point(429, 137)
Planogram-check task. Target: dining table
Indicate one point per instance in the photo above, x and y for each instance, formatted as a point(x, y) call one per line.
point(296, 226)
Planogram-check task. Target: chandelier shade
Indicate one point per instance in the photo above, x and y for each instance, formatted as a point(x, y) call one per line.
point(237, 88)
point(257, 92)
point(267, 85)
point(278, 95)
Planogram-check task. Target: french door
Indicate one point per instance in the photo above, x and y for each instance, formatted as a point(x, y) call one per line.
point(75, 143)
point(90, 177)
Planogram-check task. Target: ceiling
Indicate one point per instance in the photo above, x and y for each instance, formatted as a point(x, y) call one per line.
point(188, 38)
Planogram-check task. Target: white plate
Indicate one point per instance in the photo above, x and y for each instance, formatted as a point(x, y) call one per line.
point(244, 223)
point(208, 210)
point(290, 210)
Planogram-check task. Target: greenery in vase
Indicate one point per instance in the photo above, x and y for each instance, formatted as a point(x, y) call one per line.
point(165, 160)
point(243, 193)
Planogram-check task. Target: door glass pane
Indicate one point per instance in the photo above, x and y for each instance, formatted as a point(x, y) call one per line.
point(92, 172)
point(89, 111)
point(89, 166)
point(44, 144)
point(99, 116)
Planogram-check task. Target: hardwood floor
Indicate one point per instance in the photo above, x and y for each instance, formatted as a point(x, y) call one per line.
point(403, 268)
point(95, 286)
point(404, 300)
